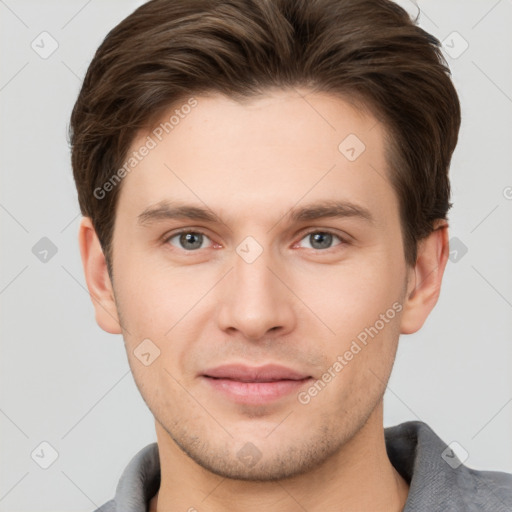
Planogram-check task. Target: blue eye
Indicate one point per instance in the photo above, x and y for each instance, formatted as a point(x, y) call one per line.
point(188, 240)
point(321, 239)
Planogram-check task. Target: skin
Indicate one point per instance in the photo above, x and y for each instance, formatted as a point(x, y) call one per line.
point(296, 305)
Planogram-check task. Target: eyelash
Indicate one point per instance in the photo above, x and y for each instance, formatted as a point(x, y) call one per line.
point(343, 241)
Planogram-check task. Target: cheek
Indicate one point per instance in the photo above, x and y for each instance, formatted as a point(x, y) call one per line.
point(169, 307)
point(351, 296)
point(152, 298)
point(362, 306)
point(358, 367)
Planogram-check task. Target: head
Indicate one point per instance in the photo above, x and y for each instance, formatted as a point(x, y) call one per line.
point(264, 182)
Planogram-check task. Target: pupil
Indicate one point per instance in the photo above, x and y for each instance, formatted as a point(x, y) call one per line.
point(321, 240)
point(193, 240)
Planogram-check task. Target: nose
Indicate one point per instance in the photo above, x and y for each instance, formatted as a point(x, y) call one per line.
point(255, 300)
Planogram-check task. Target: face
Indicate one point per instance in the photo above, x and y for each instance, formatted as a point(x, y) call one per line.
point(259, 253)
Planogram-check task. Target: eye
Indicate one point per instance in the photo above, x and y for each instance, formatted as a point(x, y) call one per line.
point(321, 240)
point(188, 240)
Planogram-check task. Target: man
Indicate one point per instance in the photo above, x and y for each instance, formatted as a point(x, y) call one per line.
point(265, 191)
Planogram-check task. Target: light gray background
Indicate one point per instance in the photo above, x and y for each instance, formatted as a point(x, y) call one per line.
point(66, 382)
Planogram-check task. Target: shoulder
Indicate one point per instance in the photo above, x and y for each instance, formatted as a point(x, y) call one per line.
point(109, 506)
point(492, 490)
point(438, 479)
point(138, 483)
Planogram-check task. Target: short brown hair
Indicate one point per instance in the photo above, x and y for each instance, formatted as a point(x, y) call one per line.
point(369, 51)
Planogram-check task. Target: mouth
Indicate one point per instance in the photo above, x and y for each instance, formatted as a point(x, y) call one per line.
point(254, 385)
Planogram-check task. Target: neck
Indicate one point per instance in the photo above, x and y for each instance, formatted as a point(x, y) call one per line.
point(358, 477)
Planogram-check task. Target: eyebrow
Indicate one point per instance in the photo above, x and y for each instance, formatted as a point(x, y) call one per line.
point(166, 210)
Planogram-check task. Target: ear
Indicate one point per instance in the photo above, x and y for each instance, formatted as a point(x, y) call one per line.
point(97, 278)
point(424, 284)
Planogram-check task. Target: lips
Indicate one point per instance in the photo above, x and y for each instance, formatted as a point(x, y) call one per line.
point(267, 373)
point(251, 385)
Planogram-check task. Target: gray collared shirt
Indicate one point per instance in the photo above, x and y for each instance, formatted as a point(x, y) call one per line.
point(438, 481)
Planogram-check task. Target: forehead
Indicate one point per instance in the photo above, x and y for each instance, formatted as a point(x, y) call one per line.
point(250, 157)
